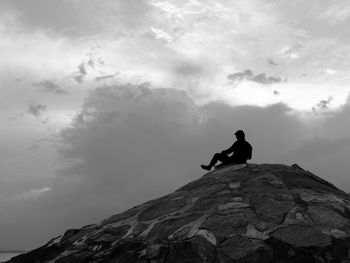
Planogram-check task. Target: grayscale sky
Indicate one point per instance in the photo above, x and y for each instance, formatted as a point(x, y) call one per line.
point(107, 104)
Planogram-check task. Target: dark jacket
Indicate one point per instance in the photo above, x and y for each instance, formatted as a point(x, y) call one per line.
point(242, 151)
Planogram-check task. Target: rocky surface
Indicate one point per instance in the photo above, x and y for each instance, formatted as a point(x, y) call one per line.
point(242, 213)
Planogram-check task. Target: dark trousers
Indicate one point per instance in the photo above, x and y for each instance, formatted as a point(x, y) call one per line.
point(225, 159)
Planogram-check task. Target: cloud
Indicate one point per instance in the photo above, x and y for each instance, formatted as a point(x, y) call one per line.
point(322, 105)
point(51, 87)
point(41, 14)
point(31, 194)
point(93, 64)
point(263, 79)
point(81, 73)
point(36, 110)
point(80, 17)
point(189, 68)
point(106, 77)
point(249, 75)
point(140, 121)
point(292, 51)
point(272, 63)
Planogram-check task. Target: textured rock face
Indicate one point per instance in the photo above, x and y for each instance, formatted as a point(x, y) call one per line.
point(243, 213)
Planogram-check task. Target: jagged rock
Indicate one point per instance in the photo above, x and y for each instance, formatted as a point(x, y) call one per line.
point(239, 213)
point(271, 210)
point(241, 249)
point(302, 236)
point(323, 216)
point(195, 250)
point(159, 209)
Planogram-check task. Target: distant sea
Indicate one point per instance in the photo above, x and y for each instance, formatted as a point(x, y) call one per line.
point(4, 256)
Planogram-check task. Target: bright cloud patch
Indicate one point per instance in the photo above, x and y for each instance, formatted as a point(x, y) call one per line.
point(31, 194)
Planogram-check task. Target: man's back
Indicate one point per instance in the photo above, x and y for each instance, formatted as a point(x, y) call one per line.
point(242, 151)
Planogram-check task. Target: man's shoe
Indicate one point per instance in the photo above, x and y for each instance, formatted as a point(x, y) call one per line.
point(206, 167)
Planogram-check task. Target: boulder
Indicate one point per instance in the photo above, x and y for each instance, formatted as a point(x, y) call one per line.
point(237, 213)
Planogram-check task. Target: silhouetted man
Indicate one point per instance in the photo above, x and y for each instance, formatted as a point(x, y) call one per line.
point(241, 149)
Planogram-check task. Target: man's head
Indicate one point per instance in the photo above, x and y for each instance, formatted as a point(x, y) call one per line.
point(240, 135)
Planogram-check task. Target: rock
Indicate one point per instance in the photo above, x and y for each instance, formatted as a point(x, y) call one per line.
point(195, 250)
point(231, 205)
point(139, 228)
point(152, 251)
point(166, 227)
point(205, 204)
point(336, 233)
point(298, 215)
point(302, 236)
point(72, 235)
point(241, 249)
point(270, 209)
point(325, 217)
point(161, 208)
point(120, 217)
point(226, 225)
point(106, 237)
point(208, 235)
point(252, 232)
point(241, 213)
point(235, 185)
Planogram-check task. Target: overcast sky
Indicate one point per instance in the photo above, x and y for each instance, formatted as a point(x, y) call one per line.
point(107, 104)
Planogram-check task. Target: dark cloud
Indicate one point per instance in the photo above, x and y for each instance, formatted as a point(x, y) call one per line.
point(239, 76)
point(50, 86)
point(77, 18)
point(82, 69)
point(91, 63)
point(263, 79)
point(34, 147)
point(271, 62)
point(36, 110)
point(322, 105)
point(82, 72)
point(44, 14)
point(249, 75)
point(187, 69)
point(106, 77)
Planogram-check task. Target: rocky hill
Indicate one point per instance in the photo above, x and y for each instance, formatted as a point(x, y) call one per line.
point(243, 213)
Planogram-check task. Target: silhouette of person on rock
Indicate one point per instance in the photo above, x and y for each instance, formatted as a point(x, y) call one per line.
point(241, 149)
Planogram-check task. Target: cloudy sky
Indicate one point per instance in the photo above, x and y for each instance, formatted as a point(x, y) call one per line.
point(107, 104)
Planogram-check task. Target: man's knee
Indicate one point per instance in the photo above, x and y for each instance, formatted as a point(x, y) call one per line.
point(217, 155)
point(222, 157)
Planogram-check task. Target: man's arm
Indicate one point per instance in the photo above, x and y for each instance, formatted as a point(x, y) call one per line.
point(249, 151)
point(229, 150)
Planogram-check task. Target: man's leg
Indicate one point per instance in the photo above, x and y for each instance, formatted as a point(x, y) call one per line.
point(217, 157)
